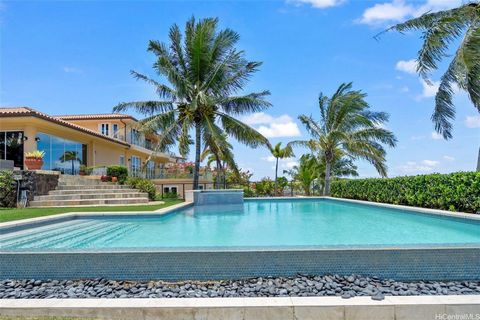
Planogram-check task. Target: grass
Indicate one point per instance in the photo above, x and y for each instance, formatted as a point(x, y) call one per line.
point(7, 214)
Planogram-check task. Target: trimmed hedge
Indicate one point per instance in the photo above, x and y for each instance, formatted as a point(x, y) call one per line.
point(458, 191)
point(8, 192)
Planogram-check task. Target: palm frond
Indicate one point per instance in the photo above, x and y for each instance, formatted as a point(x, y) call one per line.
point(145, 107)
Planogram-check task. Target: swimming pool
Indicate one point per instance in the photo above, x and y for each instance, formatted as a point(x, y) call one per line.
point(263, 237)
point(257, 223)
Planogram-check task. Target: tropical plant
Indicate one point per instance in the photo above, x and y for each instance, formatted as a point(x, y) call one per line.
point(440, 30)
point(121, 172)
point(264, 187)
point(280, 153)
point(348, 126)
point(7, 189)
point(205, 72)
point(143, 185)
point(70, 156)
point(35, 154)
point(306, 172)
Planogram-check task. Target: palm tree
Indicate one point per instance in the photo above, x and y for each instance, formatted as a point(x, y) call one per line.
point(70, 156)
point(440, 29)
point(280, 153)
point(205, 72)
point(220, 152)
point(348, 126)
point(305, 173)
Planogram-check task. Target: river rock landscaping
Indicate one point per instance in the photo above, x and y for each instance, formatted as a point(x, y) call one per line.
point(299, 286)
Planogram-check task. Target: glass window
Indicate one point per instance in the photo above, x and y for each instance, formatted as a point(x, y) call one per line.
point(105, 129)
point(135, 166)
point(2, 145)
point(115, 130)
point(61, 155)
point(122, 160)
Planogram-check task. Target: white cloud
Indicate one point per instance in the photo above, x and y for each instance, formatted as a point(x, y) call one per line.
point(413, 167)
point(408, 66)
point(430, 163)
point(271, 127)
point(429, 89)
point(436, 136)
point(394, 11)
point(269, 158)
point(404, 89)
point(72, 70)
point(400, 10)
point(319, 4)
point(472, 121)
point(449, 158)
point(437, 5)
point(289, 164)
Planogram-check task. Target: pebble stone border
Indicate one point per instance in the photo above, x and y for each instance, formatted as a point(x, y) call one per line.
point(299, 286)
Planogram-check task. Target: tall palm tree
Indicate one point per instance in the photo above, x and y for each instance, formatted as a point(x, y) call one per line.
point(347, 125)
point(205, 72)
point(70, 156)
point(220, 152)
point(280, 153)
point(440, 30)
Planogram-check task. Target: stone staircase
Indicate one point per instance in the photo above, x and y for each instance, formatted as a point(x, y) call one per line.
point(82, 191)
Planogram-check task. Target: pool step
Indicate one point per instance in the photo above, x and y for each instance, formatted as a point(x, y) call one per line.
point(79, 195)
point(82, 191)
point(85, 202)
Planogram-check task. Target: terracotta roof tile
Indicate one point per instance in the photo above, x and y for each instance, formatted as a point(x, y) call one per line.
point(95, 116)
point(29, 112)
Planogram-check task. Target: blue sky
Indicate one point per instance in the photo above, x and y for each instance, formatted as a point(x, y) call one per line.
point(74, 57)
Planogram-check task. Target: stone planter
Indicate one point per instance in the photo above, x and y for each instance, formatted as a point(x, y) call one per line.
point(34, 163)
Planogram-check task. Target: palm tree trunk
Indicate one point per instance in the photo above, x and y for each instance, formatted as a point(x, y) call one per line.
point(196, 169)
point(219, 176)
point(276, 173)
point(73, 167)
point(478, 160)
point(326, 190)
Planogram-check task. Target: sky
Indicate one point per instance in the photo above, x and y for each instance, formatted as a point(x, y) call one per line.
point(75, 57)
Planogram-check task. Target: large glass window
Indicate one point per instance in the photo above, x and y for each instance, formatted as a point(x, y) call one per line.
point(11, 147)
point(61, 155)
point(135, 166)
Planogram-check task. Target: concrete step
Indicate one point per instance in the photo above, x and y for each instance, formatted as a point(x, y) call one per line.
point(97, 187)
point(90, 191)
point(91, 202)
point(91, 196)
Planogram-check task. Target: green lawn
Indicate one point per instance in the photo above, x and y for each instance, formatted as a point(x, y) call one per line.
point(18, 214)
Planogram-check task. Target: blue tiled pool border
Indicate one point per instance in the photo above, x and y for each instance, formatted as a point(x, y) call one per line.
point(437, 262)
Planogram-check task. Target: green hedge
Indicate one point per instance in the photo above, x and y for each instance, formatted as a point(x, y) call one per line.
point(8, 193)
point(458, 191)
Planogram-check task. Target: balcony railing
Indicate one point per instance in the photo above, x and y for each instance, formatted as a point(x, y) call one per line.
point(135, 139)
point(167, 174)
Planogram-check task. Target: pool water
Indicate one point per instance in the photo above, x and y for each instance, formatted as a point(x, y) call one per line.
point(256, 223)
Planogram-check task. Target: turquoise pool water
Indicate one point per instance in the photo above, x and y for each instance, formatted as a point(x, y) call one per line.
point(258, 223)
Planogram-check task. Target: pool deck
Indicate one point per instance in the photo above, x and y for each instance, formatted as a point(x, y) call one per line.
point(291, 308)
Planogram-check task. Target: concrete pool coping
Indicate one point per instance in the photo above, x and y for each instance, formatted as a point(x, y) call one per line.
point(277, 308)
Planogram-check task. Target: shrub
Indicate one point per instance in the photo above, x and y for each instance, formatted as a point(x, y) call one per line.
point(121, 172)
point(248, 193)
point(459, 191)
point(8, 194)
point(170, 195)
point(143, 185)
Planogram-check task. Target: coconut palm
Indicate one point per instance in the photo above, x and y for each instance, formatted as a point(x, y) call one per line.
point(70, 156)
point(220, 152)
point(280, 153)
point(205, 72)
point(347, 125)
point(440, 30)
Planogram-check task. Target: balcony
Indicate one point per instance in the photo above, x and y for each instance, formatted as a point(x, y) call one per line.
point(136, 139)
